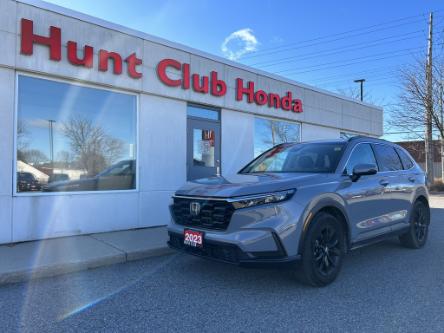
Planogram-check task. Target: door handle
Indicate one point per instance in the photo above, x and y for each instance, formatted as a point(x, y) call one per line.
point(384, 182)
point(412, 179)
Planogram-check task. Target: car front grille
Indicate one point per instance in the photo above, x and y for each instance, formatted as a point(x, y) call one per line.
point(213, 214)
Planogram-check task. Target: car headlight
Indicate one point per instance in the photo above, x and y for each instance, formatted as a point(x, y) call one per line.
point(261, 199)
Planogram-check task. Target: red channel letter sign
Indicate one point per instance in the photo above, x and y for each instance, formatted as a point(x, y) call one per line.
point(203, 84)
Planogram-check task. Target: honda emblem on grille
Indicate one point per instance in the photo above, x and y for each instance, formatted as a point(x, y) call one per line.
point(194, 208)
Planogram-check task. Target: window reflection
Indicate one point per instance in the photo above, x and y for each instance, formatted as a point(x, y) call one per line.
point(269, 132)
point(202, 112)
point(203, 147)
point(362, 154)
point(74, 138)
point(388, 159)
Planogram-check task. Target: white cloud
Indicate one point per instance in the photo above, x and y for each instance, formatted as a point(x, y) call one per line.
point(239, 43)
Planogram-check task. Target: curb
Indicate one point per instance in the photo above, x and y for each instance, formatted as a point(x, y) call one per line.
point(72, 267)
point(143, 254)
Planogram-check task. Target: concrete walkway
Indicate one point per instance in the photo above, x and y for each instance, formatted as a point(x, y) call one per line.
point(29, 260)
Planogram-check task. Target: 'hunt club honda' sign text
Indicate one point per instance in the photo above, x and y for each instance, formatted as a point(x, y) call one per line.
point(204, 84)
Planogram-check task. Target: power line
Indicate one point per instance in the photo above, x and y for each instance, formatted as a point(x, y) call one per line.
point(298, 44)
point(344, 76)
point(340, 49)
point(358, 58)
point(369, 79)
point(370, 85)
point(354, 63)
point(357, 73)
point(346, 33)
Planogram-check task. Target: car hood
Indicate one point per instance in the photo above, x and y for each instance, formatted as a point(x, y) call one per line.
point(247, 184)
point(72, 184)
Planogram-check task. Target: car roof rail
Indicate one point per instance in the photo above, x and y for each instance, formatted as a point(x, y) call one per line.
point(356, 137)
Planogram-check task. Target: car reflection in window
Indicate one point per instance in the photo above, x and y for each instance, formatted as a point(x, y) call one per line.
point(57, 177)
point(120, 176)
point(26, 182)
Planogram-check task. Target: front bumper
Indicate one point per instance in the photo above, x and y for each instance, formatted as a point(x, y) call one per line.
point(233, 254)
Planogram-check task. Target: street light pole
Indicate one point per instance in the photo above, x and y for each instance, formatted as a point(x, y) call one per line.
point(361, 81)
point(51, 141)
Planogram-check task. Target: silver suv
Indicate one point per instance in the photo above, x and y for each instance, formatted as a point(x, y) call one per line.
point(305, 202)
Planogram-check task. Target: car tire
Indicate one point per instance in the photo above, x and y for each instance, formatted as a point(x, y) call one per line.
point(416, 236)
point(323, 250)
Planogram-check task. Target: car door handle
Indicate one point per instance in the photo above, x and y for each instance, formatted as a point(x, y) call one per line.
point(384, 182)
point(412, 179)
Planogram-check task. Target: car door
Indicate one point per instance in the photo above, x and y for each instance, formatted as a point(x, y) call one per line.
point(408, 176)
point(364, 197)
point(396, 187)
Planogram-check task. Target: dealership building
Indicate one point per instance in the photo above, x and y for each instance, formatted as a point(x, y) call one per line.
point(100, 124)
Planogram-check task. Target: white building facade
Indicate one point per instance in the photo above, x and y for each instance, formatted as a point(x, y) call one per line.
point(100, 124)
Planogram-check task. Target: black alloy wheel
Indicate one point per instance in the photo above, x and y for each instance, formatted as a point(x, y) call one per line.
point(420, 223)
point(323, 250)
point(416, 236)
point(326, 250)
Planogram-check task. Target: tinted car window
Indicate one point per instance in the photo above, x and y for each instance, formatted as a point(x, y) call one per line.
point(388, 159)
point(362, 154)
point(406, 161)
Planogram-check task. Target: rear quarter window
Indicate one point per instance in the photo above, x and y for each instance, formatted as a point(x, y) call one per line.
point(405, 159)
point(388, 159)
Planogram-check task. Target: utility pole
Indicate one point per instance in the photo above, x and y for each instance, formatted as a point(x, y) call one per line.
point(441, 114)
point(361, 81)
point(429, 108)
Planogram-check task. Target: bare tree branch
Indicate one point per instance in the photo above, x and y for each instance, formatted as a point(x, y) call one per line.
point(94, 149)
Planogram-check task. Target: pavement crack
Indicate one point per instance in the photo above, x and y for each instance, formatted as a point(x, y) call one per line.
point(111, 245)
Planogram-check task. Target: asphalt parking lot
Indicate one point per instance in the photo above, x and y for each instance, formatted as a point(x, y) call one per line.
point(383, 287)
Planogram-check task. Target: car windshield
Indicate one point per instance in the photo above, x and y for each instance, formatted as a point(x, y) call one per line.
point(304, 157)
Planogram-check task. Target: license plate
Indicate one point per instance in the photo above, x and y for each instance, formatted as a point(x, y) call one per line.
point(193, 238)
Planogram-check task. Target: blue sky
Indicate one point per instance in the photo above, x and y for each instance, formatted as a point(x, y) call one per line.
point(327, 44)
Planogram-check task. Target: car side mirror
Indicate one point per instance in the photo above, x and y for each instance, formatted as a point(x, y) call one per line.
point(363, 170)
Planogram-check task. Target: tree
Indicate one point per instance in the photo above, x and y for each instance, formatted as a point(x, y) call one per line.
point(94, 149)
point(354, 93)
point(280, 132)
point(34, 156)
point(22, 142)
point(65, 158)
point(408, 116)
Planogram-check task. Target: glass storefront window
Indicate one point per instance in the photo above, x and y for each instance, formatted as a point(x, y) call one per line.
point(269, 132)
point(74, 138)
point(203, 147)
